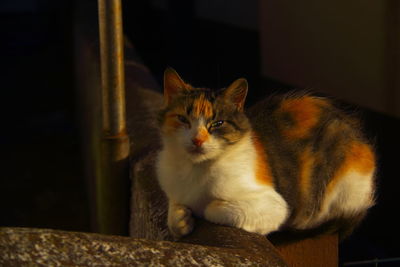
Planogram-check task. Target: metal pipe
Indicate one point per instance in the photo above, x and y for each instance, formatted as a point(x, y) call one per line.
point(112, 66)
point(112, 185)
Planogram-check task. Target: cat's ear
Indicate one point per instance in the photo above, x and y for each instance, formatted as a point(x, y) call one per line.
point(173, 84)
point(236, 92)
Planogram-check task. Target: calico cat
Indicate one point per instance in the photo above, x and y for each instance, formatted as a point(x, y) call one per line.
point(295, 162)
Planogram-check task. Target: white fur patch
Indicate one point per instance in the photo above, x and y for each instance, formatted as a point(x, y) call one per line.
point(259, 212)
point(228, 176)
point(353, 193)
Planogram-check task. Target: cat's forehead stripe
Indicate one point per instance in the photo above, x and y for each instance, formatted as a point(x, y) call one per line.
point(202, 107)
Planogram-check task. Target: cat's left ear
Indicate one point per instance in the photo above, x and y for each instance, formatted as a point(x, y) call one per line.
point(237, 92)
point(173, 84)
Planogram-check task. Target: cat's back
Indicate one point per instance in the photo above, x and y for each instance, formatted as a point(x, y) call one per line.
point(299, 117)
point(317, 152)
point(293, 115)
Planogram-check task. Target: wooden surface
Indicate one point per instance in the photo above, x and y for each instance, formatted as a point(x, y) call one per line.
point(317, 251)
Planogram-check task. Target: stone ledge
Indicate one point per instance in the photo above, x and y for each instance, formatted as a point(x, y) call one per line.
point(44, 247)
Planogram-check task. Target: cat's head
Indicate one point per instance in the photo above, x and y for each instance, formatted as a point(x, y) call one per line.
point(201, 123)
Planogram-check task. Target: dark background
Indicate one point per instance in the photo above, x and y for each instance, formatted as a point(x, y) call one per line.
point(42, 171)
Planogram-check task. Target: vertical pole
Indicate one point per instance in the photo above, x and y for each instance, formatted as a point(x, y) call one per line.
point(112, 185)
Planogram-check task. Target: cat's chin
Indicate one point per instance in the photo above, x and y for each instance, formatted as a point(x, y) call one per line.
point(200, 156)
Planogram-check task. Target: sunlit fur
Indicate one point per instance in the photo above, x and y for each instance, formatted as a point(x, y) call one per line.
point(298, 162)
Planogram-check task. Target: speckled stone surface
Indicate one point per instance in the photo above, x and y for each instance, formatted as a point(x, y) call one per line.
point(43, 247)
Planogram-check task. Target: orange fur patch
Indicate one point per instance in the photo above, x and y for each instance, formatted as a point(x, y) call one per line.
point(305, 112)
point(202, 106)
point(359, 157)
point(306, 162)
point(262, 168)
point(171, 123)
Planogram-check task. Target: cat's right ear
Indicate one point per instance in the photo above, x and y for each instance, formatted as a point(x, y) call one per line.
point(237, 92)
point(173, 84)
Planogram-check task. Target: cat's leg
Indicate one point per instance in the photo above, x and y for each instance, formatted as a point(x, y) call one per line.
point(261, 212)
point(180, 220)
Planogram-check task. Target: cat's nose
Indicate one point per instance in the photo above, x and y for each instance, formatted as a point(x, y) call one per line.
point(197, 142)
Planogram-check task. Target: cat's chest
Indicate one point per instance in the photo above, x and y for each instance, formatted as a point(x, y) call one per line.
point(195, 185)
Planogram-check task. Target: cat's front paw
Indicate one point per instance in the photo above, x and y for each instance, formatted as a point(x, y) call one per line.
point(223, 212)
point(180, 220)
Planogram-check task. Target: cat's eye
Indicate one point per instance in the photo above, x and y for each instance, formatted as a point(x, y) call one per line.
point(182, 119)
point(217, 124)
